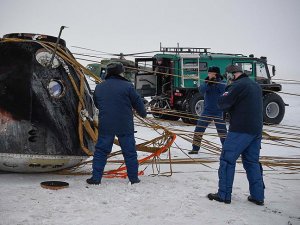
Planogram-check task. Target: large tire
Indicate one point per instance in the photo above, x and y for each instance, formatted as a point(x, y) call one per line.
point(197, 104)
point(172, 118)
point(156, 104)
point(273, 108)
point(194, 108)
point(186, 120)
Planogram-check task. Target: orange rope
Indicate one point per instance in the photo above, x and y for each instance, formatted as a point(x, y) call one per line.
point(119, 172)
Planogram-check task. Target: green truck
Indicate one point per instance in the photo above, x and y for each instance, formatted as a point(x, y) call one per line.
point(172, 78)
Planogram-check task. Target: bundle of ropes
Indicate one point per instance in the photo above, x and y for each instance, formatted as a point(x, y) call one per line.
point(154, 147)
point(285, 137)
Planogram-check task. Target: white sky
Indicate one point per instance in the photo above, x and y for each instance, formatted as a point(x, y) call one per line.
point(265, 28)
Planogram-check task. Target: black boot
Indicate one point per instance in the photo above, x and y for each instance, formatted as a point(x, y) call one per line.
point(135, 181)
point(92, 181)
point(193, 152)
point(257, 202)
point(216, 197)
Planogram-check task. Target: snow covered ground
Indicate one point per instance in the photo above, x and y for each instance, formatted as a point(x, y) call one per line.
point(179, 199)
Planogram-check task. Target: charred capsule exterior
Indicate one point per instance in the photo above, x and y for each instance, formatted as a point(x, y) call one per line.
point(38, 107)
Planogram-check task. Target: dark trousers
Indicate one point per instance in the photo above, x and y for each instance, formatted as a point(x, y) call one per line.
point(103, 149)
point(203, 122)
point(247, 145)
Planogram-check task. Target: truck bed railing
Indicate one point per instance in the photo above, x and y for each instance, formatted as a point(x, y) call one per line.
point(184, 49)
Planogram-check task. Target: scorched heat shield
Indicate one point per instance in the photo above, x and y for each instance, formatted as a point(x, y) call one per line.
point(39, 115)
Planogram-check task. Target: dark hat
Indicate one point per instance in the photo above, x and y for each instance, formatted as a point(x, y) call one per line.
point(233, 69)
point(159, 58)
point(114, 68)
point(214, 69)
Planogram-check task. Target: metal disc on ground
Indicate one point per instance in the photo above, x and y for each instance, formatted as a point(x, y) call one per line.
point(54, 185)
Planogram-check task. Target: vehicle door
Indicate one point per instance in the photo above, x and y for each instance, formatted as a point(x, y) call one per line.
point(145, 77)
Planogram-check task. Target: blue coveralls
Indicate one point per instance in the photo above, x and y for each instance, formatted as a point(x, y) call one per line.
point(115, 98)
point(243, 101)
point(211, 112)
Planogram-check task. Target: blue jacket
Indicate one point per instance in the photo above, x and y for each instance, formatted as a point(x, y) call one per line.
point(115, 98)
point(211, 93)
point(243, 101)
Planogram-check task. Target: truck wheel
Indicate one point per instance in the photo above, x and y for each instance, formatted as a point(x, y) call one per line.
point(185, 120)
point(273, 108)
point(195, 108)
point(157, 105)
point(197, 104)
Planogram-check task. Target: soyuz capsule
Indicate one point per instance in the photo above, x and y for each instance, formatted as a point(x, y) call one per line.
point(39, 115)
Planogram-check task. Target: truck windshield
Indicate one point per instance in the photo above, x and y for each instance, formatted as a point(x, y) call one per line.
point(261, 72)
point(246, 67)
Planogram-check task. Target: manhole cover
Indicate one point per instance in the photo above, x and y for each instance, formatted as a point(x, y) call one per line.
point(54, 185)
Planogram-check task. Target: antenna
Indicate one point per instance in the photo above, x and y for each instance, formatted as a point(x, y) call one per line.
point(56, 44)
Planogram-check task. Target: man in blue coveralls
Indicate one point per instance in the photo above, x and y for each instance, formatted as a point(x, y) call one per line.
point(242, 99)
point(116, 98)
point(212, 89)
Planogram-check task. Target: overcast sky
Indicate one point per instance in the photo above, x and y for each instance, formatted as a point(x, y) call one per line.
point(263, 27)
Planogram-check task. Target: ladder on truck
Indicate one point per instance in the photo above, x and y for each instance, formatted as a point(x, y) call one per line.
point(190, 68)
point(189, 71)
